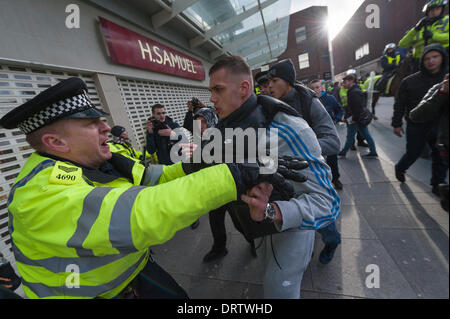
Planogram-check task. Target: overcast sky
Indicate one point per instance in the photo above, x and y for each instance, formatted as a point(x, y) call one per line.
point(339, 11)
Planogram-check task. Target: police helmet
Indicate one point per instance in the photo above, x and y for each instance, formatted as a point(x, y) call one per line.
point(434, 4)
point(389, 46)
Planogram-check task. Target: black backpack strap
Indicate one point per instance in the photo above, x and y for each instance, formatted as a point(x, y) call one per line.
point(272, 106)
point(306, 97)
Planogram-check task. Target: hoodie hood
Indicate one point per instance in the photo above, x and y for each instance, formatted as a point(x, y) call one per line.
point(435, 47)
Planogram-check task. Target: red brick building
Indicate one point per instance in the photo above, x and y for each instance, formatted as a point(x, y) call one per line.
point(307, 45)
point(359, 47)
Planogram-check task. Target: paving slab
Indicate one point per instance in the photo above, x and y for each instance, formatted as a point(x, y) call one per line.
point(347, 273)
point(422, 257)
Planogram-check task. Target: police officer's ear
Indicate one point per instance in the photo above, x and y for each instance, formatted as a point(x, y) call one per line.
point(55, 142)
point(52, 138)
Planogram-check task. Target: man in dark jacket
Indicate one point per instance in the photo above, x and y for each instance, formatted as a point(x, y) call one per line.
point(435, 105)
point(336, 112)
point(282, 85)
point(316, 203)
point(161, 135)
point(355, 112)
point(193, 106)
point(433, 67)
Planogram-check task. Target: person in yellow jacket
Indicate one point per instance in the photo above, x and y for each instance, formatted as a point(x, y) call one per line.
point(81, 218)
point(121, 144)
point(433, 28)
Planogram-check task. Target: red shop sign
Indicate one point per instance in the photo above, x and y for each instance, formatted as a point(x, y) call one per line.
point(130, 48)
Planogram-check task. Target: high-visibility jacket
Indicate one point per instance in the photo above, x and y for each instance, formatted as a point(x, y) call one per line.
point(361, 85)
point(80, 233)
point(343, 96)
point(367, 82)
point(394, 60)
point(415, 39)
point(126, 150)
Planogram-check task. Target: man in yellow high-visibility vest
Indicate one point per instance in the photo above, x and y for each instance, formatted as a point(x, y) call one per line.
point(432, 28)
point(77, 208)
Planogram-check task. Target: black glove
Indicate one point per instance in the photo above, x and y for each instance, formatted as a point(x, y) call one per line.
point(247, 175)
point(427, 35)
point(422, 22)
point(6, 271)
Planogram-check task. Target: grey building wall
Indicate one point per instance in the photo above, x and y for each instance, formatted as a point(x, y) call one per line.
point(35, 32)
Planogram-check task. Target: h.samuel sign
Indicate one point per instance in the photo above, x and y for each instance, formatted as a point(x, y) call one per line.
point(130, 48)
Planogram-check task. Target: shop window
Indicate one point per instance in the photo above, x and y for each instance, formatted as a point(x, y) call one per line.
point(300, 35)
point(303, 61)
point(362, 51)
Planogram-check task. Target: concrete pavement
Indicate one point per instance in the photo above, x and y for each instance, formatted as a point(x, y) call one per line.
point(399, 229)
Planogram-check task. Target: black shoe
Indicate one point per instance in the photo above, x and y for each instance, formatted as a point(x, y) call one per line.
point(327, 254)
point(370, 155)
point(214, 254)
point(443, 190)
point(435, 190)
point(400, 175)
point(195, 224)
point(363, 144)
point(338, 185)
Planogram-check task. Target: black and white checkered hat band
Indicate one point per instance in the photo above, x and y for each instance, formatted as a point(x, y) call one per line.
point(57, 110)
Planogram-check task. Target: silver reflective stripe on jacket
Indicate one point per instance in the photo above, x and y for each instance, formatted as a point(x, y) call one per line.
point(91, 209)
point(120, 225)
point(44, 291)
point(153, 174)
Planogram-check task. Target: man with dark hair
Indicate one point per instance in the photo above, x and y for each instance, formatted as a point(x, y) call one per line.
point(433, 67)
point(336, 111)
point(316, 203)
point(193, 106)
point(355, 115)
point(161, 135)
point(283, 86)
point(75, 206)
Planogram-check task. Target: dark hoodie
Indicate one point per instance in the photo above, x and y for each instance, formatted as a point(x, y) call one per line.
point(414, 87)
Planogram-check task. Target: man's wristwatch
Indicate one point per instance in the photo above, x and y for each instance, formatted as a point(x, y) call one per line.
point(270, 212)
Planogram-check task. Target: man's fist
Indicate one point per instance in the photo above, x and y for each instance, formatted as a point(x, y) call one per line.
point(398, 131)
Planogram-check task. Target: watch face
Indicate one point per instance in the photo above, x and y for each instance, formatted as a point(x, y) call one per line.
point(270, 212)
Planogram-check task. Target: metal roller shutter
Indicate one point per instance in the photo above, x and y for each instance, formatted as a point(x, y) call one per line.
point(139, 96)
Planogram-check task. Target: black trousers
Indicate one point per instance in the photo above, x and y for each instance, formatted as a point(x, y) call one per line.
point(217, 223)
point(153, 282)
point(417, 136)
point(332, 161)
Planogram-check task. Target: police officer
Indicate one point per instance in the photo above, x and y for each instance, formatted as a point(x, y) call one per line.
point(121, 144)
point(390, 61)
point(262, 80)
point(433, 28)
point(75, 207)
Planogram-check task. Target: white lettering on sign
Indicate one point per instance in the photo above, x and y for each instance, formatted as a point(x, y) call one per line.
point(161, 56)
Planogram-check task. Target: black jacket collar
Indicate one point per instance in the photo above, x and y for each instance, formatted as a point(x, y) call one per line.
point(240, 114)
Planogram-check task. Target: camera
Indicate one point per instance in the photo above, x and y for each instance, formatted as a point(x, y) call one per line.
point(195, 103)
point(157, 124)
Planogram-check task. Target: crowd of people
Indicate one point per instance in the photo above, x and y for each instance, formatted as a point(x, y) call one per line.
point(85, 199)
